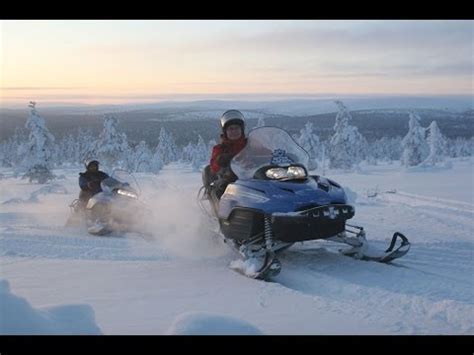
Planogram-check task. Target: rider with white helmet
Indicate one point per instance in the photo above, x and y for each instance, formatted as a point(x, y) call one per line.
point(233, 140)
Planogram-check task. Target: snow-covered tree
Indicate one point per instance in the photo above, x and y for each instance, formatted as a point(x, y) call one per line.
point(38, 150)
point(386, 149)
point(461, 147)
point(112, 145)
point(347, 147)
point(323, 159)
point(67, 150)
point(166, 147)
point(438, 145)
point(156, 163)
point(413, 144)
point(187, 153)
point(140, 158)
point(10, 149)
point(200, 155)
point(85, 145)
point(309, 141)
point(4, 156)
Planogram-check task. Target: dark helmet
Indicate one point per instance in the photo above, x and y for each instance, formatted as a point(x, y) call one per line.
point(232, 117)
point(89, 162)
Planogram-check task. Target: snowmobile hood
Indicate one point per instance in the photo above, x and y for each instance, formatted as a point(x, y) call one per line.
point(280, 196)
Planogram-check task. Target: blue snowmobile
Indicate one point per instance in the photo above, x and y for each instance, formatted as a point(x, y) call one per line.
point(275, 203)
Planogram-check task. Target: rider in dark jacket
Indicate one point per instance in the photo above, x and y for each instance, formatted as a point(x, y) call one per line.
point(89, 182)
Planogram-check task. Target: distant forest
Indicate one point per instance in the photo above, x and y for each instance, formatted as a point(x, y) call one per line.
point(146, 125)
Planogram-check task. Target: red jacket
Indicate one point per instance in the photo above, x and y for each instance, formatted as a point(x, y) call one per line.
point(222, 153)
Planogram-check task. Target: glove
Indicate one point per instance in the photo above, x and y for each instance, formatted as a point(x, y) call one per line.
point(93, 185)
point(227, 175)
point(220, 186)
point(224, 159)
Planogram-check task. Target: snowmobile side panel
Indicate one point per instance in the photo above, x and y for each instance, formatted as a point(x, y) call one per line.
point(242, 224)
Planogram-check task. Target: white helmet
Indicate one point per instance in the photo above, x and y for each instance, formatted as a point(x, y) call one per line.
point(89, 162)
point(232, 117)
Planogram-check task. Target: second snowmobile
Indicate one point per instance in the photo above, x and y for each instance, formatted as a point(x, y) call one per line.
point(117, 208)
point(275, 203)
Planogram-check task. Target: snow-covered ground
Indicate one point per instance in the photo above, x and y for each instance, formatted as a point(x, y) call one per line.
point(177, 280)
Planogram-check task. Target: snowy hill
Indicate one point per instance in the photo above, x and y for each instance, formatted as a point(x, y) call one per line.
point(177, 280)
point(293, 105)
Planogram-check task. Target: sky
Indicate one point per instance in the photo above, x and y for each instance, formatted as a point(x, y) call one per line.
point(118, 61)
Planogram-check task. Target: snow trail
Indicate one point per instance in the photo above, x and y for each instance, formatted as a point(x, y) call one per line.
point(138, 285)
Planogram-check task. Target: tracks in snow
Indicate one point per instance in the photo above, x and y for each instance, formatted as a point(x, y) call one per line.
point(426, 201)
point(74, 243)
point(422, 290)
point(429, 290)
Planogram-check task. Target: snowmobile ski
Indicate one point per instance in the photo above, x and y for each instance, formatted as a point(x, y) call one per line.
point(391, 253)
point(360, 247)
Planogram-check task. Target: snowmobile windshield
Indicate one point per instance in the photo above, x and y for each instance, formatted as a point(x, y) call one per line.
point(109, 184)
point(267, 146)
point(118, 179)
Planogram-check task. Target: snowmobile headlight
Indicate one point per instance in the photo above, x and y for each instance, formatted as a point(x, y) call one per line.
point(289, 173)
point(127, 193)
point(276, 173)
point(296, 172)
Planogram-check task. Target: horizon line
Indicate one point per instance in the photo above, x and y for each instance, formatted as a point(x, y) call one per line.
point(196, 97)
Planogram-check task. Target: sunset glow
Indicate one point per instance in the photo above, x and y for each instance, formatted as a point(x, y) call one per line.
point(99, 61)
